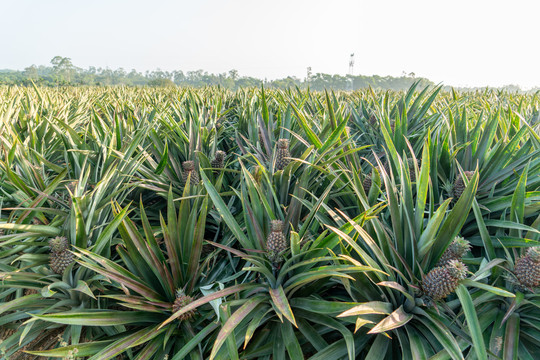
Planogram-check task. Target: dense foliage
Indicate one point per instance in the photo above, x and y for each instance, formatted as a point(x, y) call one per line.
point(63, 72)
point(369, 225)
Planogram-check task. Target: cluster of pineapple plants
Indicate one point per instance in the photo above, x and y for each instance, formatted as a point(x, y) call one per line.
point(208, 224)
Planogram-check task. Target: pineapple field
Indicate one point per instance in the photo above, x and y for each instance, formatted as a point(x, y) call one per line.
point(184, 223)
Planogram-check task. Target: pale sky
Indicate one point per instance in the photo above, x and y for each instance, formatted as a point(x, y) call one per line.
point(460, 43)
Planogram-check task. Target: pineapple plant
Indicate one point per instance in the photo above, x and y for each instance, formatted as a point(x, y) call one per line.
point(189, 169)
point(182, 300)
point(60, 257)
point(459, 185)
point(46, 340)
point(441, 281)
point(282, 154)
point(276, 242)
point(219, 161)
point(527, 268)
point(455, 251)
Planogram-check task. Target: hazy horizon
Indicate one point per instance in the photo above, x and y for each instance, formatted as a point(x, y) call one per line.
point(485, 43)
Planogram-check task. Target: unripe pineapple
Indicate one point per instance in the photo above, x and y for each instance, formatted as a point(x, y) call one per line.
point(282, 154)
point(455, 251)
point(372, 120)
point(206, 250)
point(275, 242)
point(527, 268)
point(459, 185)
point(367, 184)
point(189, 169)
point(183, 300)
point(443, 280)
point(387, 168)
point(60, 257)
point(5, 333)
point(261, 140)
point(30, 292)
point(219, 160)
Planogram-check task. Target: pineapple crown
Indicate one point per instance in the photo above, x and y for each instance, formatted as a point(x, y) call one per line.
point(534, 254)
point(58, 244)
point(277, 225)
point(459, 246)
point(283, 143)
point(188, 165)
point(180, 293)
point(220, 155)
point(458, 270)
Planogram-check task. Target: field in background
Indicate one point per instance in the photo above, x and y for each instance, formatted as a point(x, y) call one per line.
point(186, 223)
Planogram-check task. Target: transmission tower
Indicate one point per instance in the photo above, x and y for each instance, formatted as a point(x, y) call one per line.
point(351, 64)
point(350, 83)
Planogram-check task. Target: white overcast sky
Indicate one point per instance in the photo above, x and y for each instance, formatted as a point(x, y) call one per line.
point(460, 43)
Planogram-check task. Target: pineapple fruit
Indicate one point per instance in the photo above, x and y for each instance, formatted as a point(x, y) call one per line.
point(276, 242)
point(282, 154)
point(386, 167)
point(366, 184)
point(5, 333)
point(189, 169)
point(455, 251)
point(183, 300)
point(527, 268)
point(459, 185)
point(219, 161)
point(373, 120)
point(261, 140)
point(441, 281)
point(60, 257)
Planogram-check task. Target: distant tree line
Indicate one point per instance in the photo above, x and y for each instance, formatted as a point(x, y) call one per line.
point(62, 72)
